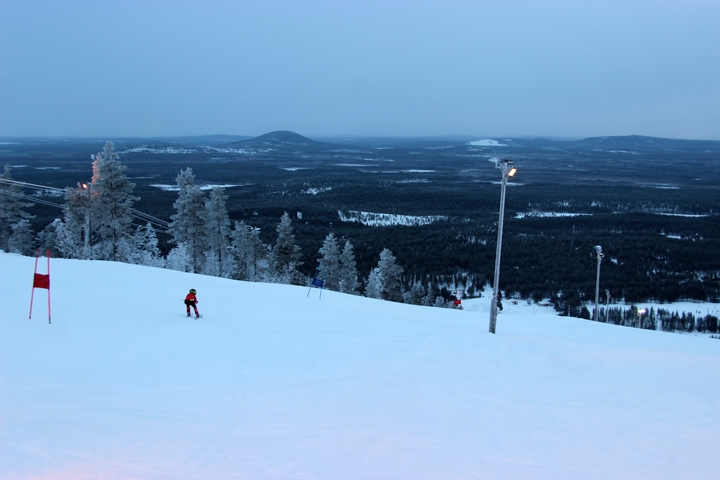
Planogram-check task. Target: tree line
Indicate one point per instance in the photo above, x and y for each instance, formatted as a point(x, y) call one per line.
point(542, 257)
point(651, 319)
point(98, 224)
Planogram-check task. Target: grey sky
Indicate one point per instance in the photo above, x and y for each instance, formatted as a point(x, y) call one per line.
point(416, 68)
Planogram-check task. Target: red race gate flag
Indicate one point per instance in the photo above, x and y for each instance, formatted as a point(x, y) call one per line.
point(41, 281)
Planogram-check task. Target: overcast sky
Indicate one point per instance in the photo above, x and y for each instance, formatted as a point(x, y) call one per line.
point(324, 68)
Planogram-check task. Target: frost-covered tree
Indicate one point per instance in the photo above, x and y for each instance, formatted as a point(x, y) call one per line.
point(47, 238)
point(374, 287)
point(111, 202)
point(142, 248)
point(329, 262)
point(440, 302)
point(218, 260)
point(285, 258)
point(390, 273)
point(11, 209)
point(188, 224)
point(415, 295)
point(348, 281)
point(249, 253)
point(68, 242)
point(21, 239)
point(74, 235)
point(179, 259)
point(239, 249)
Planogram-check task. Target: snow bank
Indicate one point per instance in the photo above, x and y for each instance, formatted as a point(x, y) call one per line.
point(273, 384)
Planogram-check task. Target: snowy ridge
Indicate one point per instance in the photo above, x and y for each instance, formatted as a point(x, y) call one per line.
point(387, 219)
point(123, 385)
point(158, 150)
point(170, 150)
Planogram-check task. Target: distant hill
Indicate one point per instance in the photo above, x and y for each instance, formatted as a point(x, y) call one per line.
point(280, 139)
point(642, 142)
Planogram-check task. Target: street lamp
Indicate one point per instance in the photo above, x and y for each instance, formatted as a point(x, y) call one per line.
point(86, 194)
point(507, 169)
point(600, 256)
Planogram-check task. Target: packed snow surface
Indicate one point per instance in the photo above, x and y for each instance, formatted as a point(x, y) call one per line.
point(274, 384)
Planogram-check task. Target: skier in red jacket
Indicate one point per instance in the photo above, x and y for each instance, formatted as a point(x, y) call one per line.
point(191, 301)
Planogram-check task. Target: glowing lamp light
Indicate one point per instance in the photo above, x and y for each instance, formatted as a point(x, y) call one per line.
point(512, 172)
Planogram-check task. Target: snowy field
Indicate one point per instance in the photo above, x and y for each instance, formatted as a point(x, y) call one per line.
point(272, 384)
point(371, 219)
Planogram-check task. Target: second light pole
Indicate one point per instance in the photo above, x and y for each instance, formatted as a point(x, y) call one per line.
point(507, 169)
point(600, 256)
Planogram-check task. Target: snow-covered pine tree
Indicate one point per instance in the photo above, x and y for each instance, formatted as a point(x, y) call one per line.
point(179, 259)
point(142, 248)
point(218, 260)
point(390, 273)
point(329, 262)
point(286, 255)
point(21, 239)
point(74, 233)
point(11, 209)
point(249, 253)
point(112, 201)
point(47, 238)
point(440, 302)
point(374, 287)
point(258, 263)
point(187, 225)
point(239, 250)
point(348, 270)
point(415, 295)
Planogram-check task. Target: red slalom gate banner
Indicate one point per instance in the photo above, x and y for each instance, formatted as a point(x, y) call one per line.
point(41, 280)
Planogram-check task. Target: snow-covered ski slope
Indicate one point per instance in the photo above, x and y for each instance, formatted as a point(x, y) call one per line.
point(271, 384)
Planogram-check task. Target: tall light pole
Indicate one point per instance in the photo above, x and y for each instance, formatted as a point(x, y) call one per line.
point(86, 193)
point(507, 169)
point(600, 256)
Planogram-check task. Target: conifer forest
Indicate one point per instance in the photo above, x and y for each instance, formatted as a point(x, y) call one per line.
point(411, 220)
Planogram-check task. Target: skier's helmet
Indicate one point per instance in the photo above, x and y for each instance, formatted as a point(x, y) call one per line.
point(192, 290)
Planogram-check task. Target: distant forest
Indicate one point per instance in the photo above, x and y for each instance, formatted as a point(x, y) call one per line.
point(652, 204)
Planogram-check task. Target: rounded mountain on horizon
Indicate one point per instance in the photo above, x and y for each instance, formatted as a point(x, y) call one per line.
point(280, 139)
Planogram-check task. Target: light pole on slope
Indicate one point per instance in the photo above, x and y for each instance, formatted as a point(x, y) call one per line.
point(507, 169)
point(600, 256)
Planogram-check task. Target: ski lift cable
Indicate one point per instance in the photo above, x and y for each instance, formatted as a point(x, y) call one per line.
point(151, 218)
point(30, 199)
point(31, 185)
point(44, 187)
point(134, 213)
point(156, 224)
